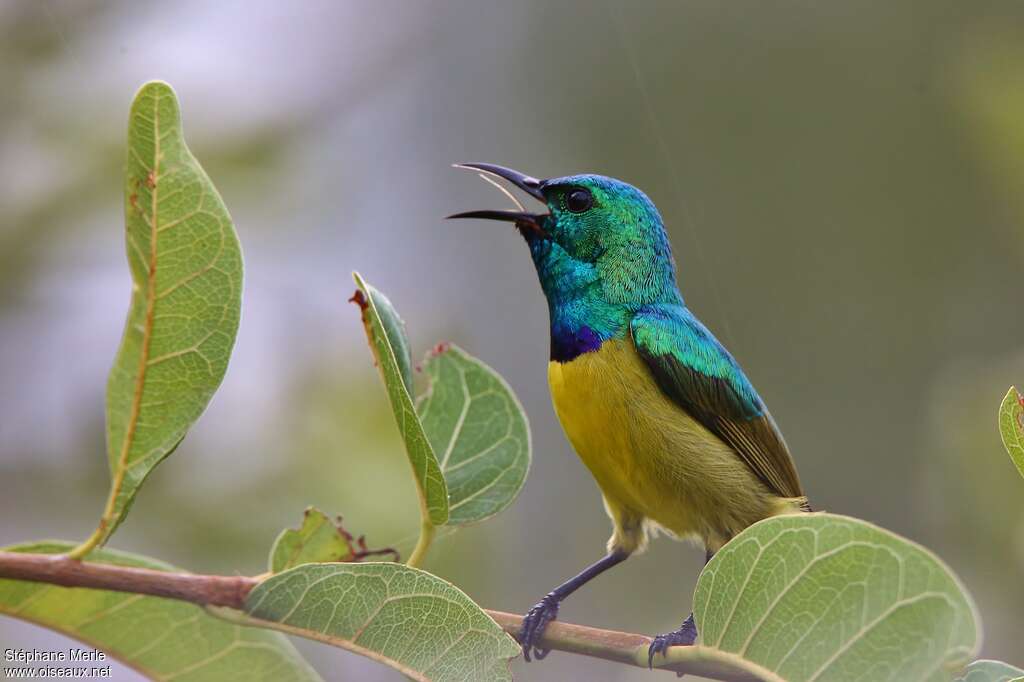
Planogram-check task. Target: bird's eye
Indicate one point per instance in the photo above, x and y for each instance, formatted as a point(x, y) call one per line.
point(579, 200)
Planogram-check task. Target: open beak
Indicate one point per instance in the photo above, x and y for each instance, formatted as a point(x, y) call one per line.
point(531, 222)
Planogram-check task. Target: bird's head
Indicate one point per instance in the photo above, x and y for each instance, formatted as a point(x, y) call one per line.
point(597, 232)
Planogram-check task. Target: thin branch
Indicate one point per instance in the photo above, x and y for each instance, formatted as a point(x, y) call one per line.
point(231, 592)
point(60, 569)
point(631, 649)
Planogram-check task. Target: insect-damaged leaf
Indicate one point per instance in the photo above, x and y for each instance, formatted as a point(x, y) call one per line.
point(186, 269)
point(391, 351)
point(164, 639)
point(319, 540)
point(479, 431)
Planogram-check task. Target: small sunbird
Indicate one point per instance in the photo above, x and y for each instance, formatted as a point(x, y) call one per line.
point(661, 414)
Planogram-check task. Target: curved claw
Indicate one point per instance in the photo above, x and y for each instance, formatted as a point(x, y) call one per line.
point(686, 635)
point(533, 626)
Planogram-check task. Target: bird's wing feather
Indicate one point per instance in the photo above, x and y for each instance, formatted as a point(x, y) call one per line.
point(699, 375)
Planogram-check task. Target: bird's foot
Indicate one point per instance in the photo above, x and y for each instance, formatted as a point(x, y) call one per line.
point(533, 626)
point(686, 635)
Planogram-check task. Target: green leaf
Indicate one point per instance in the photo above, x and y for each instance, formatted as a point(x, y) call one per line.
point(186, 268)
point(826, 597)
point(1011, 427)
point(162, 638)
point(318, 540)
point(393, 327)
point(429, 481)
point(406, 618)
point(991, 671)
point(479, 429)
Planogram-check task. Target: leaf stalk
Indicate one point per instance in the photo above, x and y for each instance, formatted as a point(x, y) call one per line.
point(427, 532)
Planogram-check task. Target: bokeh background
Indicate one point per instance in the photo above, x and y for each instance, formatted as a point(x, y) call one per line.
point(842, 183)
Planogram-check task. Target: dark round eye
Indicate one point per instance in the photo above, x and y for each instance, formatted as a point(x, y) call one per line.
point(579, 200)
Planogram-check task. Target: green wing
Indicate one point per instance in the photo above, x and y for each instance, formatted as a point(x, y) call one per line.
point(699, 375)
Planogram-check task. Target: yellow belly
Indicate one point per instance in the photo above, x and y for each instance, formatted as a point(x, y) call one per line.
point(656, 466)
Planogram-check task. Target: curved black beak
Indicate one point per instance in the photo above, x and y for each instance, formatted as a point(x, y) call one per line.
point(509, 216)
point(524, 221)
point(524, 182)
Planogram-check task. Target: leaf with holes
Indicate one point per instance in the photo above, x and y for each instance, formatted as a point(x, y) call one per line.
point(186, 268)
point(991, 671)
point(1011, 427)
point(390, 349)
point(824, 597)
point(406, 618)
point(479, 430)
point(319, 540)
point(162, 638)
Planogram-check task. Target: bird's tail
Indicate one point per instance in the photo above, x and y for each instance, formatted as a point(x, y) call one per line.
point(793, 505)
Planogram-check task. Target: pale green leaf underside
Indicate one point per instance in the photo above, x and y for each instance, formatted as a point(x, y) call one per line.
point(478, 430)
point(429, 480)
point(317, 540)
point(1011, 427)
point(991, 671)
point(186, 267)
point(826, 597)
point(162, 638)
point(401, 616)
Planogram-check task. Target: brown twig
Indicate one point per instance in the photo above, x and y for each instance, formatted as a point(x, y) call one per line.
point(60, 569)
point(631, 649)
point(231, 591)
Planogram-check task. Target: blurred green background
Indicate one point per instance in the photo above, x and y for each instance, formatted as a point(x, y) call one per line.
point(842, 183)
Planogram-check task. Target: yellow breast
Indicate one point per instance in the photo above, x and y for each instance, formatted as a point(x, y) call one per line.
point(652, 461)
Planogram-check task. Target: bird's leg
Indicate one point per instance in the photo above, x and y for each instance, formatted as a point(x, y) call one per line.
point(546, 609)
point(686, 635)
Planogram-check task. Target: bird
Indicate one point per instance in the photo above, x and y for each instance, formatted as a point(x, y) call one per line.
point(669, 426)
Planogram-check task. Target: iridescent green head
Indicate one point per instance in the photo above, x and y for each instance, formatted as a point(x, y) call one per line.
point(600, 250)
point(591, 215)
point(600, 238)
